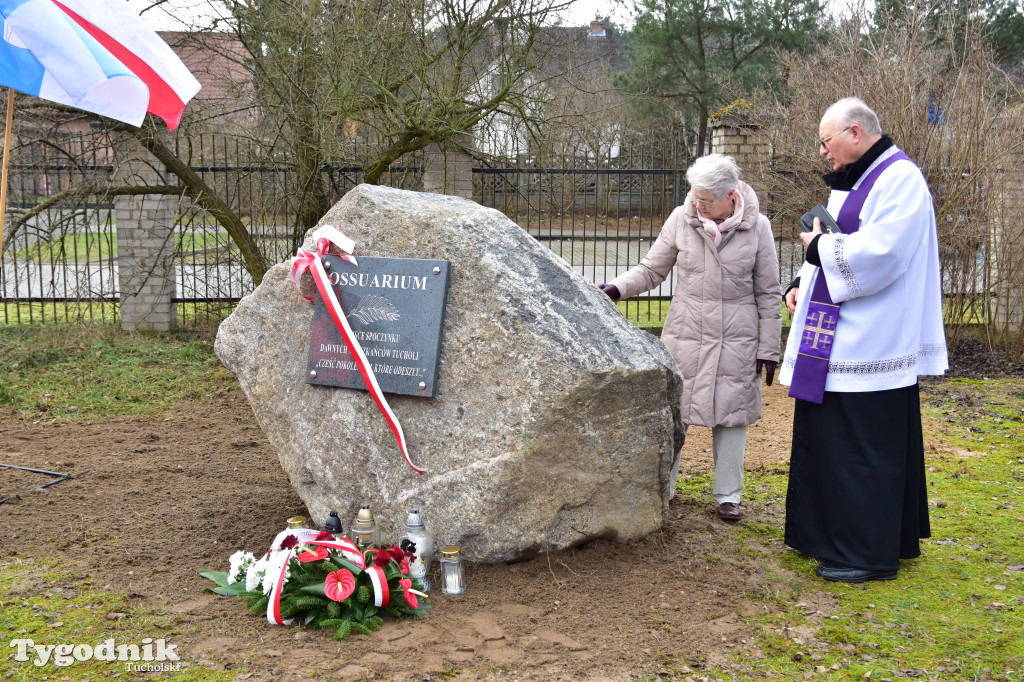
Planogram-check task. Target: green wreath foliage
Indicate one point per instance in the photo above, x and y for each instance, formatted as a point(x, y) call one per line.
point(306, 599)
point(343, 630)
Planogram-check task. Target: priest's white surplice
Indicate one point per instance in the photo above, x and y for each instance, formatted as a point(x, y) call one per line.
point(886, 278)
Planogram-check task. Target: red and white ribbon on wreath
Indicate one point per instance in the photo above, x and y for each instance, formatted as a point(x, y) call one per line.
point(348, 549)
point(381, 595)
point(274, 605)
point(304, 260)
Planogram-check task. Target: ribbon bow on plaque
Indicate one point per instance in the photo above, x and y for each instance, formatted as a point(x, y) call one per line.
point(324, 237)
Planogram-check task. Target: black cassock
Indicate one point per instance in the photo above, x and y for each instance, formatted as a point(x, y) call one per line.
point(857, 493)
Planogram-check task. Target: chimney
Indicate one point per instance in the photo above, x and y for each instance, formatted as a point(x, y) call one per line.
point(596, 28)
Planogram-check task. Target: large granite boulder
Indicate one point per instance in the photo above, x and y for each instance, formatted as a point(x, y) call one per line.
point(554, 422)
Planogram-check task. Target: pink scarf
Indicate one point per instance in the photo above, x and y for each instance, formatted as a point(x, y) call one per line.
point(715, 230)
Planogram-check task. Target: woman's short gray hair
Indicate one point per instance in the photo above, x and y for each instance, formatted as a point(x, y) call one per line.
point(853, 111)
point(715, 173)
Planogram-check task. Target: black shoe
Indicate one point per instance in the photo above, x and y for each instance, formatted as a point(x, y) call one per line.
point(843, 574)
point(729, 511)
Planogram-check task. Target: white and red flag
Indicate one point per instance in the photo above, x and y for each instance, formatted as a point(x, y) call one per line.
point(96, 55)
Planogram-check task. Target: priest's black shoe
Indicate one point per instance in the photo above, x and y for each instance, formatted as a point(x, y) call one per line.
point(844, 574)
point(729, 511)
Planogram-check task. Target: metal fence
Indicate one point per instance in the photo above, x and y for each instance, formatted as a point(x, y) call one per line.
point(60, 249)
point(599, 209)
point(263, 190)
point(60, 264)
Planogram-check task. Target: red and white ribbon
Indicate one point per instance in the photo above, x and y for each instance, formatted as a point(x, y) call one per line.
point(304, 260)
point(348, 549)
point(324, 236)
point(381, 595)
point(274, 605)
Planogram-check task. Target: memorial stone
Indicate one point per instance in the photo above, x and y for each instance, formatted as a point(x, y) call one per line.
point(553, 421)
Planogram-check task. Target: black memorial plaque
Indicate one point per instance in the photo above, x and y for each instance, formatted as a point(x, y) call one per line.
point(395, 307)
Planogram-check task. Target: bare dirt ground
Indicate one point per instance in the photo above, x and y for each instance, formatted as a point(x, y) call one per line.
point(154, 500)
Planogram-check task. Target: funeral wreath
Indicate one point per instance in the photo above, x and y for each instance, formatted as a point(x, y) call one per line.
point(323, 582)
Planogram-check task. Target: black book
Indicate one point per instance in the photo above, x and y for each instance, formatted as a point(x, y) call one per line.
point(828, 223)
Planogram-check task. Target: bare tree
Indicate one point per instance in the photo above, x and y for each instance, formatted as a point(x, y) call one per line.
point(583, 116)
point(393, 75)
point(364, 82)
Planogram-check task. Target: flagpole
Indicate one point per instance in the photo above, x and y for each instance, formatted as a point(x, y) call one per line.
point(3, 174)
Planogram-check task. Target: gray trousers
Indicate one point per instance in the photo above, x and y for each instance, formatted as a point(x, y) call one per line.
point(728, 445)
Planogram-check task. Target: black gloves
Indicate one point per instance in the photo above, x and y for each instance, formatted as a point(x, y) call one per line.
point(611, 290)
point(769, 370)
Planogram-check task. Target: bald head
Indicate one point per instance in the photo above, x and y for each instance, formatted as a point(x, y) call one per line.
point(853, 111)
point(847, 130)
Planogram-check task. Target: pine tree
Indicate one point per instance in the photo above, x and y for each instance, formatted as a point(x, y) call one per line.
point(688, 57)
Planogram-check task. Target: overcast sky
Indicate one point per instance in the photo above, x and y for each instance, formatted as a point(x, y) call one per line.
point(166, 16)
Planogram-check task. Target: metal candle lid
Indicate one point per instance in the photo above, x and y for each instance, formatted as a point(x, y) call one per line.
point(297, 522)
point(333, 524)
point(364, 520)
point(451, 552)
point(414, 521)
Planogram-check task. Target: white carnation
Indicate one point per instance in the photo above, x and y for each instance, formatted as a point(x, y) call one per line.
point(238, 563)
point(254, 574)
point(274, 564)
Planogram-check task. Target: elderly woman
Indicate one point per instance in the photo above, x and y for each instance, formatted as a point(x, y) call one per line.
point(724, 322)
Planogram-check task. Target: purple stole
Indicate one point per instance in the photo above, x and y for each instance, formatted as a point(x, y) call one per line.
point(819, 330)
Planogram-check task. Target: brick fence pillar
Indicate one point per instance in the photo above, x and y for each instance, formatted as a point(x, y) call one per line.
point(737, 136)
point(145, 251)
point(448, 169)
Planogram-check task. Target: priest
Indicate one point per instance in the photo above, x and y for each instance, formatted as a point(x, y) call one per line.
point(867, 321)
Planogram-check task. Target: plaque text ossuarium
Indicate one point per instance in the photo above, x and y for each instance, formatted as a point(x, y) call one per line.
point(359, 279)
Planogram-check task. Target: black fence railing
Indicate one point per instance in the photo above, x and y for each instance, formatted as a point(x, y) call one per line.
point(60, 247)
point(598, 211)
point(598, 207)
point(267, 193)
point(601, 221)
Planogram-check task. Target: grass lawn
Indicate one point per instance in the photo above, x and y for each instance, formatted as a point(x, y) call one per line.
point(60, 372)
point(78, 247)
point(645, 313)
point(83, 247)
point(955, 613)
point(15, 314)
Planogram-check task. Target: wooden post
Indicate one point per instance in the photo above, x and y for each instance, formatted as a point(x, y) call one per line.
point(3, 173)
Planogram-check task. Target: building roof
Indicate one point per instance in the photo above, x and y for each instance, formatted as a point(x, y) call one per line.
point(218, 61)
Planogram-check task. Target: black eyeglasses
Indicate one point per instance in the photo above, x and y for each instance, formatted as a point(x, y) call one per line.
point(824, 143)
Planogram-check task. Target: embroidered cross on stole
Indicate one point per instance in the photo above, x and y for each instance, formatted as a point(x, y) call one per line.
point(817, 339)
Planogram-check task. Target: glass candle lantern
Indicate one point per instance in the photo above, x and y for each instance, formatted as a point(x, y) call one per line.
point(363, 531)
point(453, 579)
point(295, 527)
point(417, 537)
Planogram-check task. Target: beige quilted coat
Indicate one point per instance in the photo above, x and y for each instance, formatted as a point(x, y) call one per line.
point(725, 312)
